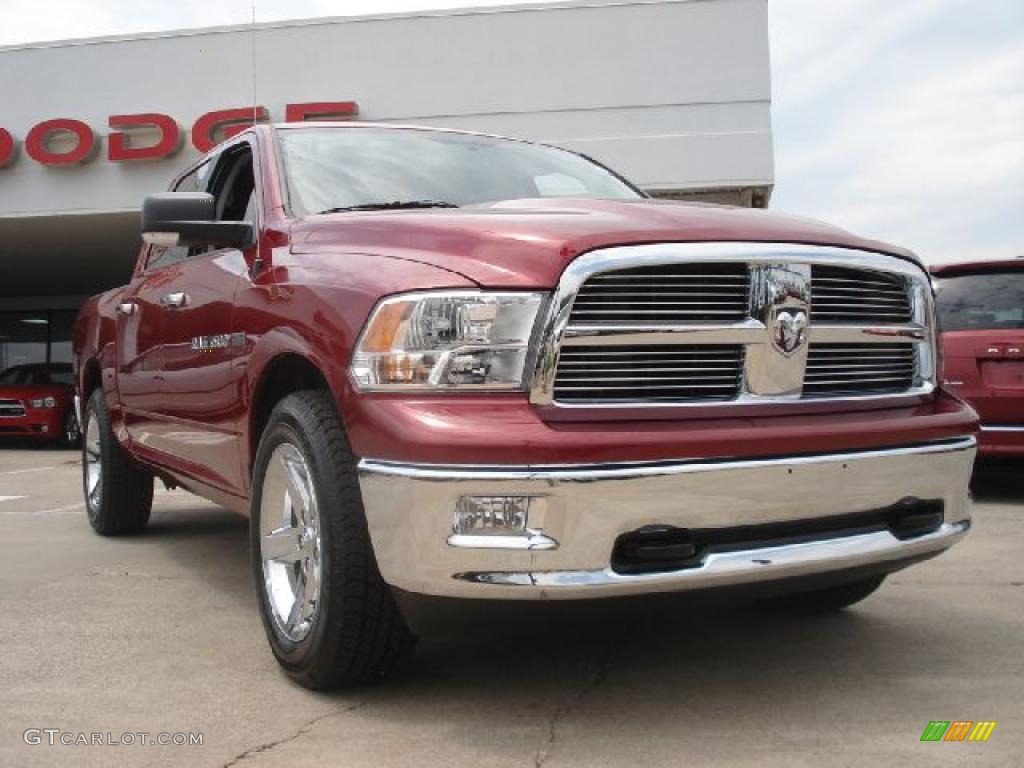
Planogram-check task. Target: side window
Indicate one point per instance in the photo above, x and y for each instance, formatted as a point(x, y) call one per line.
point(162, 255)
point(233, 186)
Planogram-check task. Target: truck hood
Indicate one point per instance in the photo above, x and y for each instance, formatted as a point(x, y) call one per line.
point(528, 243)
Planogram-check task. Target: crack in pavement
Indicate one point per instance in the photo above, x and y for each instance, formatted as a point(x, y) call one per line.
point(302, 731)
point(595, 681)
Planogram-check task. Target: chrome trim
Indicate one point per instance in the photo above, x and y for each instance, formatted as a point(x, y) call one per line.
point(780, 297)
point(754, 334)
point(997, 428)
point(586, 507)
point(174, 300)
point(636, 469)
point(535, 540)
point(77, 401)
point(721, 569)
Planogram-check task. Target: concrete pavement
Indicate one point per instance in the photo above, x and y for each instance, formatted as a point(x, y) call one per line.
point(159, 633)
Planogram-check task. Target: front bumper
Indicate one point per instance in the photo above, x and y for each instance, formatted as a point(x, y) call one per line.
point(582, 511)
point(44, 424)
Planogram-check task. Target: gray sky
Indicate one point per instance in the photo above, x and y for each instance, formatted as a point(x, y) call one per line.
point(899, 119)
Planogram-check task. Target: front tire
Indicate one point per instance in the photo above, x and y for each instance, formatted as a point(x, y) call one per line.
point(118, 493)
point(328, 615)
point(829, 599)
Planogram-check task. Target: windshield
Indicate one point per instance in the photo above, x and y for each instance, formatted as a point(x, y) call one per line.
point(29, 375)
point(988, 301)
point(342, 168)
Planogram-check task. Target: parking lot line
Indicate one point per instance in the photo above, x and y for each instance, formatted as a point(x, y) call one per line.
point(39, 512)
point(23, 471)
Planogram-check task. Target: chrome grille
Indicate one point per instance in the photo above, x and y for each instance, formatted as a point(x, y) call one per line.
point(845, 295)
point(655, 373)
point(783, 323)
point(671, 293)
point(11, 408)
point(858, 369)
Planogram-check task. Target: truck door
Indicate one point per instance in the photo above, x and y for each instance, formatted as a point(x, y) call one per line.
point(138, 347)
point(140, 329)
point(200, 395)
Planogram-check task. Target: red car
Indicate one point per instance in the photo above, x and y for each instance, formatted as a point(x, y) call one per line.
point(428, 363)
point(37, 401)
point(981, 319)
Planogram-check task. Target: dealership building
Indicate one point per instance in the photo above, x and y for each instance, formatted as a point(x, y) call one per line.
point(674, 94)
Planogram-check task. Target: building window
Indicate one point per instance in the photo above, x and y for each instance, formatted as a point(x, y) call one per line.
point(35, 337)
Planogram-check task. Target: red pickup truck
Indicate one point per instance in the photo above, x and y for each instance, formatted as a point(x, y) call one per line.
point(980, 307)
point(445, 364)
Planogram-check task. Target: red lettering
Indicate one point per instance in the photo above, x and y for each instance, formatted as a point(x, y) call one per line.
point(320, 110)
point(226, 122)
point(7, 148)
point(119, 147)
point(37, 142)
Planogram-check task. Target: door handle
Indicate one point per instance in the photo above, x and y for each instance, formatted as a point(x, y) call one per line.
point(175, 300)
point(126, 308)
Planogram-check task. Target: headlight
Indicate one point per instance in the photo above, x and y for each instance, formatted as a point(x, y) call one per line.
point(454, 339)
point(43, 402)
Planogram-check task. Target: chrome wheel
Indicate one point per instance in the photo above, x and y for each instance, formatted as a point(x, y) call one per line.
point(290, 542)
point(92, 464)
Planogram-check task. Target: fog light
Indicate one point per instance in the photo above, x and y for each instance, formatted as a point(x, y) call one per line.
point(500, 522)
point(492, 515)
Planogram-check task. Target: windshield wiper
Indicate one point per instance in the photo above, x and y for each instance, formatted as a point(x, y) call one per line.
point(392, 206)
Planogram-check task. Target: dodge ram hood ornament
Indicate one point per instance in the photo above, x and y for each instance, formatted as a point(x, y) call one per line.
point(790, 331)
point(784, 294)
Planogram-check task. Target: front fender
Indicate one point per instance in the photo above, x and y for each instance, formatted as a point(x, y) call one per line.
point(315, 307)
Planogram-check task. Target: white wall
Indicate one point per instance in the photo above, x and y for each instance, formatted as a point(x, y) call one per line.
point(674, 93)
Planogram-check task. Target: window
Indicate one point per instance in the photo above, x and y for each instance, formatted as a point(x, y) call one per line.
point(983, 301)
point(234, 187)
point(232, 183)
point(39, 375)
point(35, 337)
point(342, 167)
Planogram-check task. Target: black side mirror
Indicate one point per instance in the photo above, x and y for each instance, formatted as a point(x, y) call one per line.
point(189, 218)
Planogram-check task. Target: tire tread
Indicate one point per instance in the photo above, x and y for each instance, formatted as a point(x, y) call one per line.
point(127, 492)
point(366, 636)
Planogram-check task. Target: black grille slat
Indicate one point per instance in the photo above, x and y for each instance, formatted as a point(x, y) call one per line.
point(665, 295)
point(845, 295)
point(640, 373)
point(11, 408)
point(859, 369)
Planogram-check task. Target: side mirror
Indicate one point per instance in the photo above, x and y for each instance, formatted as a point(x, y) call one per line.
point(189, 218)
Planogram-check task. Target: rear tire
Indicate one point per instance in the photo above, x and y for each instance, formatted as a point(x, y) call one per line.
point(328, 615)
point(118, 493)
point(829, 599)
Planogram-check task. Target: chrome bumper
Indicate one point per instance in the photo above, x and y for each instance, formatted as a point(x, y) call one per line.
point(584, 509)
